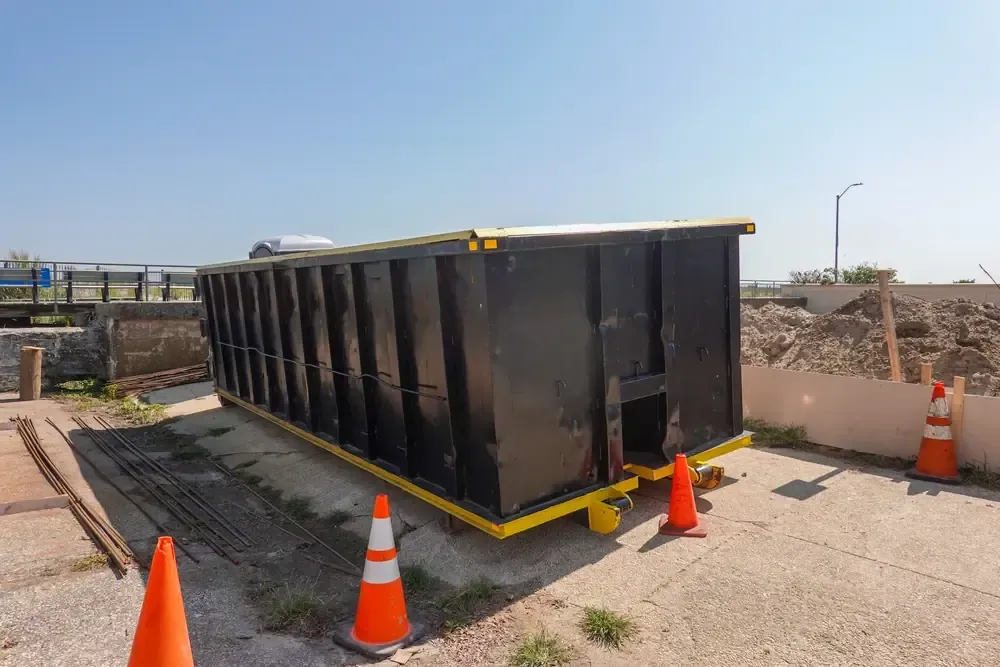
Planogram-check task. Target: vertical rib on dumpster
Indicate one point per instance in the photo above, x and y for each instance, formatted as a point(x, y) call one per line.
point(316, 342)
point(212, 315)
point(272, 344)
point(390, 430)
point(225, 364)
point(290, 324)
point(237, 328)
point(733, 304)
point(250, 299)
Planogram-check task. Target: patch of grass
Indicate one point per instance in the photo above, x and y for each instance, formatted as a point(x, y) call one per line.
point(295, 609)
point(137, 412)
point(91, 562)
point(220, 430)
point(541, 650)
point(417, 581)
point(980, 475)
point(606, 628)
point(299, 508)
point(92, 393)
point(459, 606)
point(776, 435)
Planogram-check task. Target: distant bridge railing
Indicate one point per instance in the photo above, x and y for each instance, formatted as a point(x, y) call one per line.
point(32, 281)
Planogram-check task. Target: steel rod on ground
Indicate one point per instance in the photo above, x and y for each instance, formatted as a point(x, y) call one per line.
point(288, 518)
point(196, 497)
point(169, 501)
point(159, 526)
point(97, 527)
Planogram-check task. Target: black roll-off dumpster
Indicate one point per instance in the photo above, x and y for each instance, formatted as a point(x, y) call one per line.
point(508, 376)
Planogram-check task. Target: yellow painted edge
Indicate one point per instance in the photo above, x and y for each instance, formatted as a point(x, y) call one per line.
point(654, 474)
point(496, 530)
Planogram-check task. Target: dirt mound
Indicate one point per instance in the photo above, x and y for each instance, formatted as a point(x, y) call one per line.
point(957, 336)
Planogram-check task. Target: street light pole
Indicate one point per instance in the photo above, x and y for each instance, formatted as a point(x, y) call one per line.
point(836, 237)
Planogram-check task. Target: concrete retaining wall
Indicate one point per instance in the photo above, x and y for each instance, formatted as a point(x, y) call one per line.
point(146, 337)
point(825, 298)
point(70, 353)
point(872, 416)
point(121, 339)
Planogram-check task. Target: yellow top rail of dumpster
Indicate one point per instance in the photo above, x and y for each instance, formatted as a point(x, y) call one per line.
point(501, 233)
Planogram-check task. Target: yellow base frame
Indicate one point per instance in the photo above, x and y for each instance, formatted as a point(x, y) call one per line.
point(603, 517)
point(654, 474)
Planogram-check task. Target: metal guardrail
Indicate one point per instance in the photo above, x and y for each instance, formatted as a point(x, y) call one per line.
point(32, 281)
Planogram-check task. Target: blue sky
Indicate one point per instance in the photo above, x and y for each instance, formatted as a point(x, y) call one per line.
point(180, 132)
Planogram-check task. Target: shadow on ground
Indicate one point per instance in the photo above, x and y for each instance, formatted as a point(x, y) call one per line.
point(453, 580)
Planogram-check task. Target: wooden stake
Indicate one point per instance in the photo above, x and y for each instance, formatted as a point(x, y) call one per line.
point(957, 410)
point(31, 373)
point(890, 326)
point(925, 373)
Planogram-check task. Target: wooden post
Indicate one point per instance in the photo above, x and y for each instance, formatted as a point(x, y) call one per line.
point(957, 410)
point(31, 373)
point(925, 373)
point(890, 326)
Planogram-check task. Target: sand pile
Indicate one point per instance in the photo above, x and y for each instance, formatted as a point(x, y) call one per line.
point(957, 336)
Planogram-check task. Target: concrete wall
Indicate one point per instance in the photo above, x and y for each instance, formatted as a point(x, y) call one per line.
point(121, 339)
point(825, 298)
point(70, 353)
point(872, 416)
point(146, 337)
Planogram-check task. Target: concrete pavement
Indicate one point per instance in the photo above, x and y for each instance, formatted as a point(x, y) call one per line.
point(809, 561)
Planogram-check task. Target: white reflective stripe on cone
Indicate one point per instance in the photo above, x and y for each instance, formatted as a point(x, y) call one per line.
point(381, 572)
point(937, 432)
point(938, 408)
point(380, 539)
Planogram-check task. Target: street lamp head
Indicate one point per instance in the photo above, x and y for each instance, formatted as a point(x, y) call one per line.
point(853, 184)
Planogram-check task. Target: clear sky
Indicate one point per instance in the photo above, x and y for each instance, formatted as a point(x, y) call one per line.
point(182, 131)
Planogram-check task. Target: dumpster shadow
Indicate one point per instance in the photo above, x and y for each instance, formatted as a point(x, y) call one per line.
point(563, 558)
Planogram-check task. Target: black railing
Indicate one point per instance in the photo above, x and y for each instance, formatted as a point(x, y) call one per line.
point(33, 281)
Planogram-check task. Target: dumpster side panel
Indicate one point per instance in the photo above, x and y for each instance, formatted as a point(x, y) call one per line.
point(543, 372)
point(345, 350)
point(422, 365)
point(630, 322)
point(237, 328)
point(212, 317)
point(388, 444)
point(278, 387)
point(316, 342)
point(290, 326)
point(249, 293)
point(471, 373)
point(697, 325)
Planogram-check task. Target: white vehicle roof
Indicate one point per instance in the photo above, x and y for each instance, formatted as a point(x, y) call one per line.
point(289, 243)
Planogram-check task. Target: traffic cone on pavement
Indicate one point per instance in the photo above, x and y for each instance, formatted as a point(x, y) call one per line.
point(681, 518)
point(161, 636)
point(936, 460)
point(381, 625)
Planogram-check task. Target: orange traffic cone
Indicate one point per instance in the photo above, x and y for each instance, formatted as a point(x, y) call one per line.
point(381, 626)
point(936, 459)
point(161, 637)
point(681, 518)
